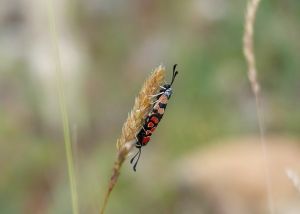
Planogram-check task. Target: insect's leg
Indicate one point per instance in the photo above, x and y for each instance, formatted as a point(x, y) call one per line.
point(139, 155)
point(154, 102)
point(155, 95)
point(132, 159)
point(137, 145)
point(162, 87)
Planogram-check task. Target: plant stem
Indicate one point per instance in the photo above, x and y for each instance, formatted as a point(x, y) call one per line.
point(252, 75)
point(63, 108)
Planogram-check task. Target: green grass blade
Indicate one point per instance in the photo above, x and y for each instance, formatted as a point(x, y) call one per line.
point(63, 109)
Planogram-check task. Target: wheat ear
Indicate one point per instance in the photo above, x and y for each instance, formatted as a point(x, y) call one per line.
point(133, 124)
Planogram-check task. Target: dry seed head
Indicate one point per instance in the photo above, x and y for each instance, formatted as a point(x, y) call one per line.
point(248, 44)
point(140, 110)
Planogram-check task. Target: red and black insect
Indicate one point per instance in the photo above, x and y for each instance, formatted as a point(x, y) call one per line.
point(154, 117)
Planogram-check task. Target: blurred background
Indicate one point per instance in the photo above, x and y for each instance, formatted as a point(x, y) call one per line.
point(205, 157)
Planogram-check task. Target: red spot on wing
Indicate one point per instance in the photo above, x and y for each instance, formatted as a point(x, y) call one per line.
point(161, 111)
point(150, 124)
point(145, 140)
point(163, 99)
point(153, 129)
point(154, 119)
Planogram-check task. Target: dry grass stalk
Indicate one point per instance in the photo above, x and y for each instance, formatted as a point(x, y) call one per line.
point(248, 44)
point(133, 124)
point(252, 75)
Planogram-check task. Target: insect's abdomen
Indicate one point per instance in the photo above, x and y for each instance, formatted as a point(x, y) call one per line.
point(152, 120)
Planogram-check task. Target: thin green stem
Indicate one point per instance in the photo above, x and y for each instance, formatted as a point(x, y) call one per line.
point(63, 108)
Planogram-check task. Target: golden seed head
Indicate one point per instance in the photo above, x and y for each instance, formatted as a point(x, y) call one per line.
point(141, 108)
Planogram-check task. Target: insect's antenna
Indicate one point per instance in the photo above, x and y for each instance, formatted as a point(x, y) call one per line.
point(138, 154)
point(174, 74)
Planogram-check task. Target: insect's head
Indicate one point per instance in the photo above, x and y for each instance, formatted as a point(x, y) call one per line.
point(167, 86)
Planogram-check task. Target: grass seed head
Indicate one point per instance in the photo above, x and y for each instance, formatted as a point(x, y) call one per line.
point(141, 108)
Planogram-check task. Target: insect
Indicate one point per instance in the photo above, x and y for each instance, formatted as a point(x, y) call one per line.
point(153, 118)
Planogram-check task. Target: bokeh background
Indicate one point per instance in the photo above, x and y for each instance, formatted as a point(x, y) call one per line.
point(205, 157)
